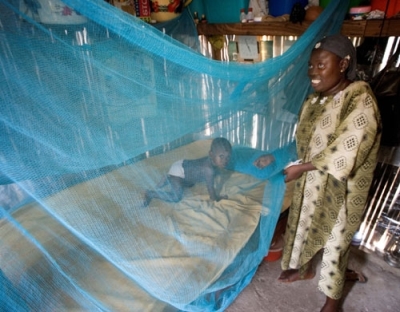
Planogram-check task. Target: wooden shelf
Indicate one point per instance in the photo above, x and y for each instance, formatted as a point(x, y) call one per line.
point(365, 28)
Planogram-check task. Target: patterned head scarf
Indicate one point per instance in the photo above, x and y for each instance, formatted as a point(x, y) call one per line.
point(342, 47)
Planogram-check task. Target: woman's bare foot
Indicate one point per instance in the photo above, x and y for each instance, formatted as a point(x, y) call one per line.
point(355, 276)
point(292, 275)
point(331, 305)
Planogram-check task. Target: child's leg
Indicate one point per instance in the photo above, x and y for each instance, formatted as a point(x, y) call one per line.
point(174, 195)
point(162, 182)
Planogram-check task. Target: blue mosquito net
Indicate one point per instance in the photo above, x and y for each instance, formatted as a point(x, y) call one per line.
point(95, 105)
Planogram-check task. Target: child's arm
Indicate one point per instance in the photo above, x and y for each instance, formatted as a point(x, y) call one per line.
point(210, 175)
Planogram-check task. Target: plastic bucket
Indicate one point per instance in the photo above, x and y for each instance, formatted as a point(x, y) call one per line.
point(224, 11)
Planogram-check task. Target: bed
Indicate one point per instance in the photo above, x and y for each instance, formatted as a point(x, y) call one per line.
point(130, 264)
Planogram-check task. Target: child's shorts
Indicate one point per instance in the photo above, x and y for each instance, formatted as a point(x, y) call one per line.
point(176, 169)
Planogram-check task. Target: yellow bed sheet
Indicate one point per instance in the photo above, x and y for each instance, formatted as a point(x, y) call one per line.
point(178, 248)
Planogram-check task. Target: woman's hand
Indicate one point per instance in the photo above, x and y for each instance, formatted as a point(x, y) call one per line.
point(263, 161)
point(294, 172)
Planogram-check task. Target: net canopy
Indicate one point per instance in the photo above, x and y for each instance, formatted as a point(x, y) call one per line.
point(95, 105)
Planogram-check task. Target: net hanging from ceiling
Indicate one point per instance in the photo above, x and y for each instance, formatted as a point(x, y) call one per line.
point(95, 107)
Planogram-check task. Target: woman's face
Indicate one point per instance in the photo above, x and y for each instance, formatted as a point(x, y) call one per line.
point(324, 71)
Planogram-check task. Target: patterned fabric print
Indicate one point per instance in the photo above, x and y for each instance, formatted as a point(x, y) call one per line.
point(340, 136)
point(334, 263)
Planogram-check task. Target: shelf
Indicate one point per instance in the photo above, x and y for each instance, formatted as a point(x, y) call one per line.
point(365, 28)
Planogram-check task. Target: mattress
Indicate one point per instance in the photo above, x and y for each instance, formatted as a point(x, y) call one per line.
point(133, 256)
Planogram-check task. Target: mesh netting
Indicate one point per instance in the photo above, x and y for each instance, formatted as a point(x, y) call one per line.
point(95, 107)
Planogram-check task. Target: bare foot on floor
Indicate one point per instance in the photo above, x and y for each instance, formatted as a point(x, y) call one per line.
point(290, 276)
point(331, 305)
point(355, 276)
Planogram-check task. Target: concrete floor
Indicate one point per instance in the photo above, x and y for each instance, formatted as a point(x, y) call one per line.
point(381, 292)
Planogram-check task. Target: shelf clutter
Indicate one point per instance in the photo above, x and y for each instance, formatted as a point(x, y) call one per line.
point(279, 21)
point(275, 33)
point(228, 22)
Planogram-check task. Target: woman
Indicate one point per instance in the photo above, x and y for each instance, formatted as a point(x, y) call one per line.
point(337, 140)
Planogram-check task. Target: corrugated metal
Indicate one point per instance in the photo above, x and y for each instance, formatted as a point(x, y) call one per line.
point(381, 223)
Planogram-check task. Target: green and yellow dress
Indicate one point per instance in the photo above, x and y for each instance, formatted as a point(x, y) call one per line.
point(340, 135)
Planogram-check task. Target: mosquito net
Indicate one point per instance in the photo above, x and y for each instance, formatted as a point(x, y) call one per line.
point(95, 107)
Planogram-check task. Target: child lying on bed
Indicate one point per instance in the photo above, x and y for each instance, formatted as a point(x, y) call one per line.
point(185, 173)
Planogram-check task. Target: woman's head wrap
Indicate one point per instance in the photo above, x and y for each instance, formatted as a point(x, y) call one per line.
point(342, 47)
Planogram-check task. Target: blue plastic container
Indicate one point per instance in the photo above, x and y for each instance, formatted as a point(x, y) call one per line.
point(282, 7)
point(197, 6)
point(224, 11)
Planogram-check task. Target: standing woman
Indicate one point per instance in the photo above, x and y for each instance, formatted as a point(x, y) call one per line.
point(337, 138)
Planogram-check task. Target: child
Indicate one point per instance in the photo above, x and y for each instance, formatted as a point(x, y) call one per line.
point(185, 173)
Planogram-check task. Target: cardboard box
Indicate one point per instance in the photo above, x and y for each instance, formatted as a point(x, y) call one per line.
point(142, 10)
point(139, 8)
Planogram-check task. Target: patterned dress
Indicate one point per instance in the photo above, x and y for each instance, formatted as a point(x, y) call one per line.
point(340, 135)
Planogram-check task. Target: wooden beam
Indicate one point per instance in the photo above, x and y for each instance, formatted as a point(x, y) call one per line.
point(253, 29)
point(354, 28)
point(363, 28)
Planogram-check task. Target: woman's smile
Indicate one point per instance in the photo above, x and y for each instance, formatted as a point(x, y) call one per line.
point(315, 82)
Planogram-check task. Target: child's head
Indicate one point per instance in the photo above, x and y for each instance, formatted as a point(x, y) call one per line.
point(220, 152)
